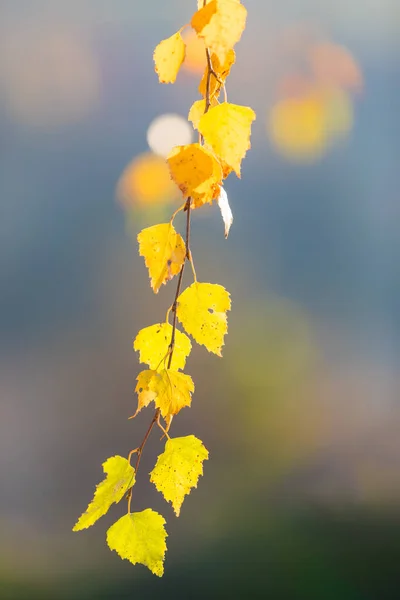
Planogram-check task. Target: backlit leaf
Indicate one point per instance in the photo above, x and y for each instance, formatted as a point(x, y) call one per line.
point(202, 311)
point(178, 469)
point(164, 253)
point(220, 23)
point(120, 476)
point(221, 69)
point(153, 343)
point(196, 171)
point(140, 538)
point(173, 391)
point(168, 57)
point(226, 129)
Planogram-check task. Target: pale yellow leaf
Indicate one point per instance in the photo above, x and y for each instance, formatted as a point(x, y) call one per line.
point(120, 476)
point(168, 57)
point(153, 345)
point(226, 129)
point(140, 538)
point(196, 171)
point(178, 469)
point(220, 23)
point(202, 311)
point(226, 211)
point(164, 253)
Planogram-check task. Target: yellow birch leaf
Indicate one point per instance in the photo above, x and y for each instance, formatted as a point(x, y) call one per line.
point(168, 57)
point(197, 111)
point(196, 171)
point(145, 394)
point(120, 476)
point(164, 253)
point(226, 129)
point(221, 69)
point(201, 3)
point(202, 311)
point(220, 23)
point(178, 469)
point(153, 344)
point(140, 538)
point(173, 391)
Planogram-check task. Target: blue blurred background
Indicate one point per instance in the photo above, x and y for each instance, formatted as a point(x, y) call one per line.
point(301, 416)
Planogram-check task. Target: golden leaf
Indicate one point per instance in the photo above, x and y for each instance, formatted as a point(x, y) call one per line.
point(197, 111)
point(196, 171)
point(164, 253)
point(220, 23)
point(168, 57)
point(145, 394)
point(226, 129)
point(202, 311)
point(153, 345)
point(178, 469)
point(173, 391)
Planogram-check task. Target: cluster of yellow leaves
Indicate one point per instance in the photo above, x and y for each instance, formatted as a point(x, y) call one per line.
point(198, 170)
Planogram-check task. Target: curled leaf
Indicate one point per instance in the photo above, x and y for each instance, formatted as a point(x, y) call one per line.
point(226, 212)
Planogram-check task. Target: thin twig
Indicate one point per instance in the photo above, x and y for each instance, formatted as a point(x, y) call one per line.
point(179, 284)
point(139, 452)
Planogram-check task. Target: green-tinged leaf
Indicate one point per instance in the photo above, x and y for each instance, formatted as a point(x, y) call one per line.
point(140, 538)
point(120, 476)
point(178, 469)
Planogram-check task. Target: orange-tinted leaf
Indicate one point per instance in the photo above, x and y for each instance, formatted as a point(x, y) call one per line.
point(196, 171)
point(221, 24)
point(168, 57)
point(221, 69)
point(226, 129)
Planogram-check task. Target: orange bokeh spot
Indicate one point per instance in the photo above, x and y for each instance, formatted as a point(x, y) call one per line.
point(334, 65)
point(195, 60)
point(146, 180)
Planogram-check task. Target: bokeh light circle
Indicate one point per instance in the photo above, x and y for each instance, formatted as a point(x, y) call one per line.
point(167, 131)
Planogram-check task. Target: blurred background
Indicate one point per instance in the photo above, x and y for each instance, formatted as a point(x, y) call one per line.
point(300, 498)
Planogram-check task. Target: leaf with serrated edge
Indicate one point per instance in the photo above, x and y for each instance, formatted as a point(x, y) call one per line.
point(164, 253)
point(120, 476)
point(178, 469)
point(202, 311)
point(140, 538)
point(153, 343)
